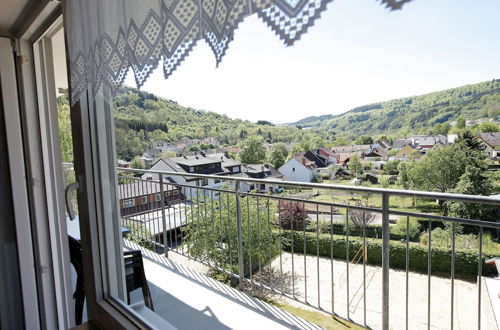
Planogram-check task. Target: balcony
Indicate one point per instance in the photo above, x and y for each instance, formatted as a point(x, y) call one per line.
point(287, 247)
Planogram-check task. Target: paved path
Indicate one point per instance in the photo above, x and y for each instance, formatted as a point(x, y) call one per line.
point(465, 307)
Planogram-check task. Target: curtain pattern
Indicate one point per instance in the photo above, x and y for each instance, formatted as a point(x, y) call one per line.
point(108, 37)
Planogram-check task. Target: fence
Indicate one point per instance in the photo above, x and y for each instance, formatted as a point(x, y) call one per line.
point(261, 240)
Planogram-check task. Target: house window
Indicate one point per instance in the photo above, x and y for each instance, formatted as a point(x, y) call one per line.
point(293, 169)
point(129, 203)
point(216, 181)
point(204, 182)
point(176, 192)
point(236, 169)
point(144, 200)
point(158, 197)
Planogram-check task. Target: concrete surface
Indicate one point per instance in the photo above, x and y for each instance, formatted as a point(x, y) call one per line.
point(189, 299)
point(465, 301)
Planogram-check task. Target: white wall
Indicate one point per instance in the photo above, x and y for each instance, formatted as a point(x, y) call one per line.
point(292, 170)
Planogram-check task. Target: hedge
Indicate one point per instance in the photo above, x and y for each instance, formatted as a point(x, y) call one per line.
point(465, 261)
point(371, 231)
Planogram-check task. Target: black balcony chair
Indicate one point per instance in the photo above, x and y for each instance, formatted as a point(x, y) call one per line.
point(135, 277)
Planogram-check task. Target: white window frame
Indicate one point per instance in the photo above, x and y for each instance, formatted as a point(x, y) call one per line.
point(144, 200)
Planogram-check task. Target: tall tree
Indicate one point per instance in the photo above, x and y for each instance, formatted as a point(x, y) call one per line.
point(252, 150)
point(473, 182)
point(440, 169)
point(278, 154)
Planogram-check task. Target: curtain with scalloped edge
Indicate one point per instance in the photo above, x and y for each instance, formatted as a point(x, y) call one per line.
point(108, 37)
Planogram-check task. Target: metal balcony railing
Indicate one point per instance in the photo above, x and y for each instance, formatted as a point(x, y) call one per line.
point(278, 241)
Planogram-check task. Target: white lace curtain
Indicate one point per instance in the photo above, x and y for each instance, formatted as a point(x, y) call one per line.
point(107, 37)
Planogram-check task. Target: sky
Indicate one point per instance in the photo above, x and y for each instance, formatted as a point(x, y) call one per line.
point(357, 53)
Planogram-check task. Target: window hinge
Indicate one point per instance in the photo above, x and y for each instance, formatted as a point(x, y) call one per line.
point(35, 182)
point(23, 59)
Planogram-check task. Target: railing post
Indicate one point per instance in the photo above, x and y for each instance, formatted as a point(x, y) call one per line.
point(241, 269)
point(163, 220)
point(385, 261)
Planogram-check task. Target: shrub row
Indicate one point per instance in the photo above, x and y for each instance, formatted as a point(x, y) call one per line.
point(371, 231)
point(466, 262)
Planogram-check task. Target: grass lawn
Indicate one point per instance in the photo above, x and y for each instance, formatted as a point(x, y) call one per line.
point(322, 319)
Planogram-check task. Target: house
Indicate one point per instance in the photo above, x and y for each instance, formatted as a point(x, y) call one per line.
point(351, 148)
point(401, 143)
point(299, 168)
point(139, 196)
point(492, 143)
point(321, 157)
point(405, 153)
point(166, 146)
point(381, 144)
point(123, 163)
point(344, 157)
point(199, 163)
point(151, 153)
point(426, 142)
point(261, 171)
point(451, 138)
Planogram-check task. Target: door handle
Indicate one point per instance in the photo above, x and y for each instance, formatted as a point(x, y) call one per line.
point(67, 193)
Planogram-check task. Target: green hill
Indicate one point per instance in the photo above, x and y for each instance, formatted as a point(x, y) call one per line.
point(415, 114)
point(142, 118)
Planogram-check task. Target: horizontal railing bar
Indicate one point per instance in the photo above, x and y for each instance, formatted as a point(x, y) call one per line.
point(483, 223)
point(393, 192)
point(305, 201)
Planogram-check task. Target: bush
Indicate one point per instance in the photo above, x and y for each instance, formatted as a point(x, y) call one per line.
point(399, 228)
point(465, 261)
point(292, 215)
point(371, 231)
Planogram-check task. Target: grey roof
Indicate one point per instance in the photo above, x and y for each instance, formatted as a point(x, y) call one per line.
point(261, 171)
point(141, 188)
point(152, 152)
point(401, 143)
point(201, 159)
point(352, 148)
point(493, 139)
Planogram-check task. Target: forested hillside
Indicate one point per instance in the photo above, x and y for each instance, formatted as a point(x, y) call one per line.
point(142, 118)
point(416, 114)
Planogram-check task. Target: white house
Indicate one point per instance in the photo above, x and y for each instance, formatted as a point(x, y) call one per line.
point(299, 168)
point(201, 163)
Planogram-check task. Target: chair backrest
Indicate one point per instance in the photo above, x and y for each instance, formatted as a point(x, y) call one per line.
point(135, 276)
point(75, 255)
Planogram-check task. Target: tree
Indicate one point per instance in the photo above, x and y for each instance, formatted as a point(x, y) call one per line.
point(212, 236)
point(461, 122)
point(391, 167)
point(137, 163)
point(400, 227)
point(252, 150)
point(440, 169)
point(474, 181)
point(355, 165)
point(488, 127)
point(361, 218)
point(278, 154)
point(292, 215)
point(363, 139)
point(65, 137)
point(468, 140)
point(341, 141)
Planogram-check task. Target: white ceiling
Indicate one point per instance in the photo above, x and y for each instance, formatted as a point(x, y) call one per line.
point(10, 10)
